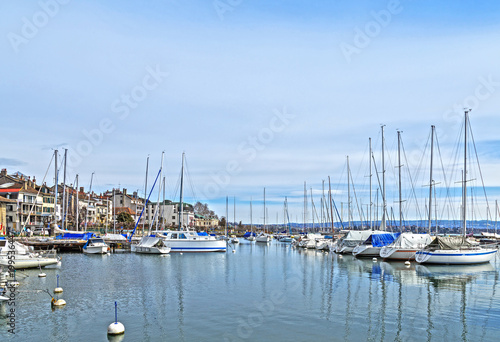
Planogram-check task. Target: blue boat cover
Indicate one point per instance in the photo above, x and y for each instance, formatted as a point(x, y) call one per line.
point(381, 240)
point(247, 234)
point(202, 234)
point(71, 236)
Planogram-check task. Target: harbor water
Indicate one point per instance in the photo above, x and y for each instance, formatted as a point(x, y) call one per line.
point(262, 292)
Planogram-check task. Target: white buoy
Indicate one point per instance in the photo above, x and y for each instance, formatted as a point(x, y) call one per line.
point(340, 256)
point(234, 251)
point(42, 275)
point(116, 328)
point(180, 253)
point(407, 263)
point(58, 289)
point(59, 302)
point(374, 259)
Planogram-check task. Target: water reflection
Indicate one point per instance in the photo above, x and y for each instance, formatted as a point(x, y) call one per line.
point(452, 277)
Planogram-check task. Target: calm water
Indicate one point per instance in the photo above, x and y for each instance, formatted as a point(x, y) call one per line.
point(259, 293)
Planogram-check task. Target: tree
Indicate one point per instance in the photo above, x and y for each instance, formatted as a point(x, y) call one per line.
point(203, 210)
point(222, 222)
point(124, 217)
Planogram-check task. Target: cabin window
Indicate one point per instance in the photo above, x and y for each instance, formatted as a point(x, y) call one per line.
point(182, 236)
point(174, 236)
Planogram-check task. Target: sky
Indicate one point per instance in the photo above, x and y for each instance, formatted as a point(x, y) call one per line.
point(258, 94)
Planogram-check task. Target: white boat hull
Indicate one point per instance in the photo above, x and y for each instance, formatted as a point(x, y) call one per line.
point(398, 253)
point(22, 263)
point(149, 250)
point(196, 246)
point(366, 251)
point(96, 250)
point(455, 257)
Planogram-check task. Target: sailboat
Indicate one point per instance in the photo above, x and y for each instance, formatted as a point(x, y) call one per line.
point(263, 236)
point(185, 240)
point(407, 244)
point(456, 249)
point(250, 236)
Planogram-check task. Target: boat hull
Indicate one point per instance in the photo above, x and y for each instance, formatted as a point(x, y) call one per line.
point(22, 263)
point(149, 250)
point(366, 251)
point(455, 257)
point(96, 250)
point(196, 246)
point(398, 253)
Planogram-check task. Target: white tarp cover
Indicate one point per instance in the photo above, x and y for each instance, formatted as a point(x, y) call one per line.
point(355, 237)
point(410, 241)
point(148, 241)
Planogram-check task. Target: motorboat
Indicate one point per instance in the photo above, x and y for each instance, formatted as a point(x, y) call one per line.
point(150, 245)
point(24, 256)
point(190, 241)
point(263, 237)
point(95, 246)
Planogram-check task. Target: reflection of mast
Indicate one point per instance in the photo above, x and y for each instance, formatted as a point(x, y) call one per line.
point(430, 326)
point(463, 307)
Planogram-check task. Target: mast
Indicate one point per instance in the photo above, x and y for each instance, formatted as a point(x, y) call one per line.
point(163, 206)
point(159, 188)
point(77, 204)
point(55, 189)
point(145, 194)
point(251, 220)
point(312, 209)
point(114, 212)
point(88, 203)
point(331, 205)
point(107, 216)
point(264, 210)
point(371, 202)
point(322, 204)
point(383, 224)
point(400, 198)
point(227, 218)
point(464, 195)
point(430, 180)
point(348, 193)
point(181, 218)
point(64, 205)
point(234, 211)
point(305, 205)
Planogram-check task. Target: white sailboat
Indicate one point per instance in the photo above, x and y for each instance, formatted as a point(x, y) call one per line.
point(150, 245)
point(263, 237)
point(250, 236)
point(25, 257)
point(186, 240)
point(456, 249)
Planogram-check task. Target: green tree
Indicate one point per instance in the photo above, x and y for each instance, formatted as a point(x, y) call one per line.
point(124, 218)
point(222, 222)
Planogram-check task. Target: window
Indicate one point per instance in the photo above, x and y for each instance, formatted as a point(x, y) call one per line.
point(173, 217)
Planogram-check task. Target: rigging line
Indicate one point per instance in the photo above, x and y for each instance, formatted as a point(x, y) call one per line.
point(356, 200)
point(412, 183)
point(480, 174)
point(34, 203)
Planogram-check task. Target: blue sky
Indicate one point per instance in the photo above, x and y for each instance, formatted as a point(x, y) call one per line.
point(257, 93)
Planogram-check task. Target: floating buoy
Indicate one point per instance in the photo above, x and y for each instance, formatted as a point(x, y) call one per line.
point(374, 259)
point(234, 251)
point(340, 256)
point(59, 302)
point(13, 284)
point(116, 328)
point(180, 253)
point(42, 275)
point(407, 263)
point(58, 289)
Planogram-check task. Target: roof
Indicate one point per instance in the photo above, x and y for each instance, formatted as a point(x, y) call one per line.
point(7, 200)
point(119, 210)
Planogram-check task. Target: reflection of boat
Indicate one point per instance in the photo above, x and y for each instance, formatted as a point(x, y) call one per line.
point(452, 276)
point(405, 246)
point(150, 245)
point(24, 256)
point(95, 246)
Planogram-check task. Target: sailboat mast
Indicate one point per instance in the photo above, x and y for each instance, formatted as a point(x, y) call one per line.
point(227, 218)
point(348, 193)
point(305, 206)
point(77, 203)
point(55, 189)
point(430, 179)
point(234, 211)
point(264, 210)
point(400, 198)
point(251, 217)
point(464, 195)
point(383, 182)
point(88, 203)
point(159, 188)
point(64, 205)
point(312, 208)
point(371, 202)
point(331, 204)
point(145, 195)
point(181, 218)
